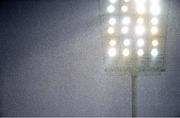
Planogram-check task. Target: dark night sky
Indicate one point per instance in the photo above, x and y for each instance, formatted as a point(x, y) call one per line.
point(51, 64)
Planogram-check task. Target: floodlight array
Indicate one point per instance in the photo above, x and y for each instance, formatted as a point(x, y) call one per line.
point(139, 27)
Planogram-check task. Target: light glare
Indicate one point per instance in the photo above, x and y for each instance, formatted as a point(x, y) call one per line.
point(140, 21)
point(124, 8)
point(140, 42)
point(124, 30)
point(155, 10)
point(126, 0)
point(126, 42)
point(126, 20)
point(112, 21)
point(140, 30)
point(112, 43)
point(112, 52)
point(140, 52)
point(113, 1)
point(111, 30)
point(140, 8)
point(154, 30)
point(110, 8)
point(154, 21)
point(155, 43)
point(154, 52)
point(126, 52)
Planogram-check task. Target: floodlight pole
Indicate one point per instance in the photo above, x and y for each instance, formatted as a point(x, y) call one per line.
point(134, 79)
point(133, 71)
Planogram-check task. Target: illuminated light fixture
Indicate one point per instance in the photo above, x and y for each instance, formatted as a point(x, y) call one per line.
point(154, 1)
point(112, 43)
point(154, 52)
point(155, 10)
point(140, 8)
point(124, 8)
point(126, 0)
point(112, 21)
point(126, 52)
point(154, 30)
point(154, 21)
point(126, 42)
point(140, 52)
point(112, 52)
point(113, 1)
point(110, 8)
point(140, 1)
point(124, 30)
point(155, 43)
point(111, 30)
point(140, 43)
point(140, 30)
point(140, 21)
point(126, 20)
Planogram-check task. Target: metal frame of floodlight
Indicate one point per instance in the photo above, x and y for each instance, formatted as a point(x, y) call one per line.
point(132, 64)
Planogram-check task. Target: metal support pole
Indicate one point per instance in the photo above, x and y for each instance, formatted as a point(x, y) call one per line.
point(134, 78)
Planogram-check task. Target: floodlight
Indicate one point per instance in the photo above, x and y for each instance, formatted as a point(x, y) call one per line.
point(124, 8)
point(140, 30)
point(140, 21)
point(112, 21)
point(126, 52)
point(140, 52)
point(126, 0)
point(155, 10)
point(140, 1)
point(126, 42)
point(112, 52)
point(111, 30)
point(154, 52)
point(112, 43)
point(140, 43)
point(140, 8)
point(113, 1)
point(124, 30)
point(126, 20)
point(155, 43)
point(154, 30)
point(111, 8)
point(154, 1)
point(154, 21)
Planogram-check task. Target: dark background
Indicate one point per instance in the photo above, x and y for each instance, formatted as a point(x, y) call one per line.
point(51, 64)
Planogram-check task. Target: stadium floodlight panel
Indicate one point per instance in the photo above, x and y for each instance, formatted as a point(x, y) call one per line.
point(111, 8)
